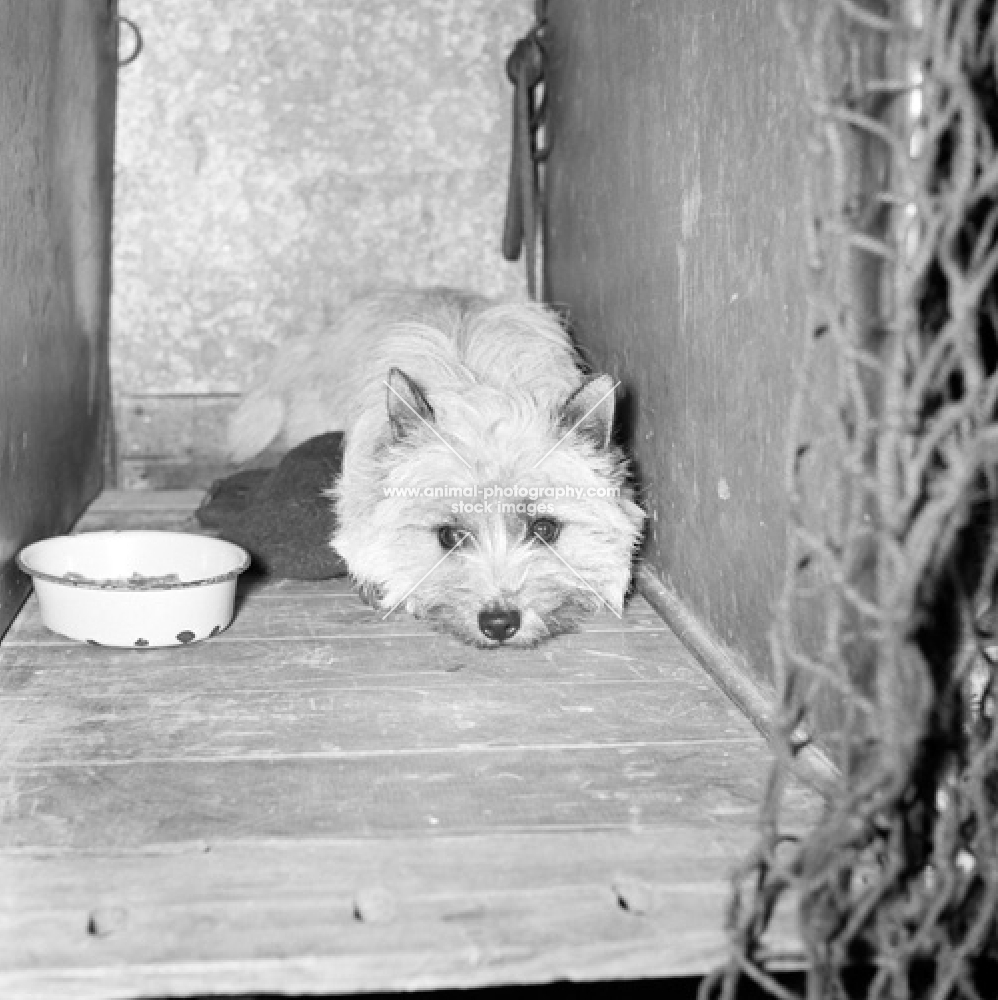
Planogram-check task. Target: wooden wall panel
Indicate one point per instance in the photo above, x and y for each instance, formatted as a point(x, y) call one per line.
point(676, 238)
point(57, 89)
point(175, 441)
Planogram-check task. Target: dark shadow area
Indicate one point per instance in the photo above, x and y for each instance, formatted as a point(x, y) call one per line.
point(683, 988)
point(857, 983)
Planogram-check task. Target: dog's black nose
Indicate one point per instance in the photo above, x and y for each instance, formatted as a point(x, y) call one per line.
point(499, 625)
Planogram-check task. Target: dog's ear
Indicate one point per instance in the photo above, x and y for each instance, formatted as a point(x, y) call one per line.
point(407, 406)
point(589, 410)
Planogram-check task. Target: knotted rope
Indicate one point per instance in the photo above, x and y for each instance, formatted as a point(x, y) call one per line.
point(885, 637)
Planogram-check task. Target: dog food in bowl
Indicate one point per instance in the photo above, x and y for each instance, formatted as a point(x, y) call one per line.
point(135, 588)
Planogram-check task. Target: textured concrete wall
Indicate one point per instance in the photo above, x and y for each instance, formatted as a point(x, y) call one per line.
point(273, 158)
point(677, 238)
point(57, 77)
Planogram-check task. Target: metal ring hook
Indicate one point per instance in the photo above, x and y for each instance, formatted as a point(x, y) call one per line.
point(136, 44)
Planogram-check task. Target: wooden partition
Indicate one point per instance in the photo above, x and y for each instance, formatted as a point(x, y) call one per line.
point(57, 94)
point(676, 237)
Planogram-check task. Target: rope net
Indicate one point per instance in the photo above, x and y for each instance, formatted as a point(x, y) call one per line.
point(885, 639)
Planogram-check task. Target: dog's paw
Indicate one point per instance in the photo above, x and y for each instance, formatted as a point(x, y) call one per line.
point(371, 594)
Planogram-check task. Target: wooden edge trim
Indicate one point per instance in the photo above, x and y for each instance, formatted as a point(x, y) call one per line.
point(755, 700)
point(14, 590)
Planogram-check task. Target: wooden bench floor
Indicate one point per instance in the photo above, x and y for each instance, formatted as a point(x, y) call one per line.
point(319, 801)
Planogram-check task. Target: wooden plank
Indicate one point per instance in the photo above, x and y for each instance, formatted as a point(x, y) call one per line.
point(127, 502)
point(296, 916)
point(172, 440)
point(332, 610)
point(179, 426)
point(157, 520)
point(472, 790)
point(264, 724)
point(165, 510)
point(62, 673)
point(351, 658)
point(152, 474)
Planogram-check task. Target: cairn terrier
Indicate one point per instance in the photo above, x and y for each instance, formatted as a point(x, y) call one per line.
point(480, 487)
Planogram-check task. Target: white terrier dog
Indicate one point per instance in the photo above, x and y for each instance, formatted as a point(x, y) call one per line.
point(480, 488)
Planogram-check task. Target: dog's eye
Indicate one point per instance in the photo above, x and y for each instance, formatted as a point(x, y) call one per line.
point(545, 529)
point(452, 536)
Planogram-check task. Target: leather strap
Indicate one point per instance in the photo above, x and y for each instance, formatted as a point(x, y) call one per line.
point(524, 200)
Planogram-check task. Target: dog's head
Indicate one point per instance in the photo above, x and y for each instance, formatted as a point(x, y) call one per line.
point(495, 516)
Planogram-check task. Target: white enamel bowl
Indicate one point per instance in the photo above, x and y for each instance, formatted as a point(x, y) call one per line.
point(135, 588)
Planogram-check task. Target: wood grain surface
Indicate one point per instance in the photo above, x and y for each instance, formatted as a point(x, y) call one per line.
point(58, 80)
point(320, 800)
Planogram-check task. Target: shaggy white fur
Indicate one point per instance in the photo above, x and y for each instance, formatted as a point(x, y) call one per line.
point(480, 489)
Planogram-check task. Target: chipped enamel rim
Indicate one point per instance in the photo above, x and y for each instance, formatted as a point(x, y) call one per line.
point(123, 585)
